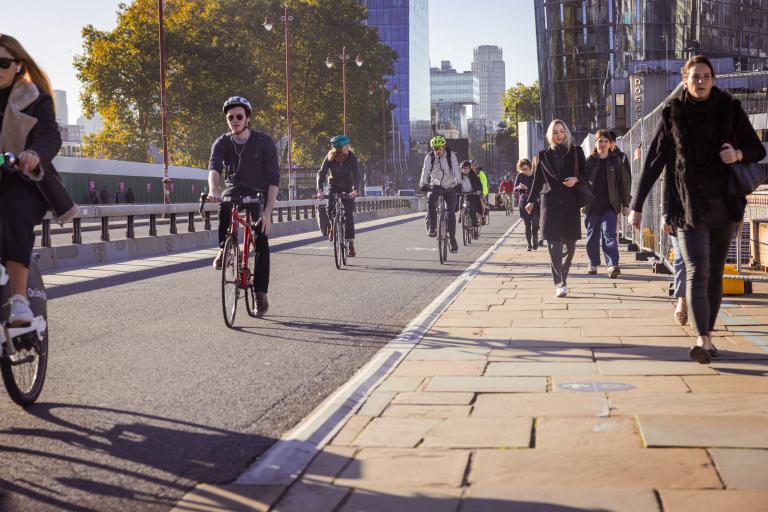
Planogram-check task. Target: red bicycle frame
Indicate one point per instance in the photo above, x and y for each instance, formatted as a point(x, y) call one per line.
point(234, 230)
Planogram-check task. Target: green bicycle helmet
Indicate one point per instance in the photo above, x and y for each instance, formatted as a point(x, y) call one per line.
point(339, 141)
point(437, 142)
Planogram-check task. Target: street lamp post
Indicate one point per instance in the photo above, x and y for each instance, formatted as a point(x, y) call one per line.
point(344, 58)
point(383, 88)
point(285, 18)
point(163, 108)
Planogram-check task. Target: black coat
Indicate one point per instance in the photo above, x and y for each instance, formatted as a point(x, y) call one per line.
point(560, 213)
point(667, 153)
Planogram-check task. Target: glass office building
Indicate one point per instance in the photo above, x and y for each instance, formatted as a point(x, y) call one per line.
point(451, 93)
point(403, 25)
point(587, 49)
point(488, 66)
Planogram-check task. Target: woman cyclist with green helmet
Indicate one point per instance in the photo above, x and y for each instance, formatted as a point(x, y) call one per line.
point(342, 172)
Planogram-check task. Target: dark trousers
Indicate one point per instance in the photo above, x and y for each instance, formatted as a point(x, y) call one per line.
point(601, 231)
point(704, 250)
point(475, 207)
point(531, 226)
point(559, 261)
point(261, 244)
point(349, 214)
point(22, 207)
point(450, 201)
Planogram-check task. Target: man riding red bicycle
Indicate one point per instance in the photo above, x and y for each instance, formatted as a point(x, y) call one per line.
point(250, 160)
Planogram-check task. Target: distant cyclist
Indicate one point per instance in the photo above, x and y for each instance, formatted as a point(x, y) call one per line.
point(484, 180)
point(342, 171)
point(506, 189)
point(250, 160)
point(470, 184)
point(441, 174)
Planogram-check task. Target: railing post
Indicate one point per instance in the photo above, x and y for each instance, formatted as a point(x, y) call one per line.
point(290, 218)
point(173, 223)
point(191, 226)
point(105, 229)
point(314, 211)
point(77, 234)
point(279, 215)
point(207, 217)
point(46, 238)
point(130, 232)
point(152, 224)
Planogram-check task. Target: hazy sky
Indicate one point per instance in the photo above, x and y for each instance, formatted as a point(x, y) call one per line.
point(50, 31)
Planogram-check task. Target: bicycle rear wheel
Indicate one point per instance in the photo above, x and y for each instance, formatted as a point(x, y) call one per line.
point(250, 294)
point(230, 274)
point(24, 371)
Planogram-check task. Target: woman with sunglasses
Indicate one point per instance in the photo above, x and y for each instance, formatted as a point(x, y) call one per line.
point(28, 129)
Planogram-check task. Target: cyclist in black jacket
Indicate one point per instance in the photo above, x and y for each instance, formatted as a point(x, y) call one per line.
point(342, 171)
point(250, 160)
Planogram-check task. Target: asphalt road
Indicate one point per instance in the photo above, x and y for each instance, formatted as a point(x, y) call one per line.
point(148, 393)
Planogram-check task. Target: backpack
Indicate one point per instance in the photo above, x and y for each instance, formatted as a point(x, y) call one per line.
point(448, 154)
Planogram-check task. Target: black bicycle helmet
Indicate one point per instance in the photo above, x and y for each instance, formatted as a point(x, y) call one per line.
point(466, 163)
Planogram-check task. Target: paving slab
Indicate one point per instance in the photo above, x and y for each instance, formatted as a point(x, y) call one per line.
point(403, 500)
point(727, 383)
point(427, 411)
point(504, 405)
point(430, 368)
point(395, 432)
point(542, 369)
point(351, 430)
point(642, 352)
point(398, 383)
point(621, 323)
point(575, 313)
point(639, 384)
point(755, 368)
point(742, 469)
point(538, 322)
point(481, 498)
point(229, 498)
point(683, 430)
point(328, 463)
point(306, 495)
point(447, 353)
point(481, 433)
point(375, 404)
point(648, 367)
point(628, 331)
point(488, 384)
point(431, 398)
point(705, 404)
point(401, 468)
point(639, 313)
point(713, 501)
point(587, 434)
point(542, 355)
point(638, 469)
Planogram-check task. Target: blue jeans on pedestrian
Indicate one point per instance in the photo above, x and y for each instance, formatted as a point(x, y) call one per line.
point(679, 267)
point(601, 231)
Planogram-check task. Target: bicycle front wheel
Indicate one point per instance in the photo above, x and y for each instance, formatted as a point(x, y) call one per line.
point(230, 274)
point(339, 244)
point(442, 238)
point(24, 371)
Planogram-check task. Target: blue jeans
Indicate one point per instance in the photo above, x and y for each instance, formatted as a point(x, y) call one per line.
point(679, 266)
point(601, 230)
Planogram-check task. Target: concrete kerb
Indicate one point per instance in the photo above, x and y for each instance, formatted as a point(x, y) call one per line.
point(83, 255)
point(287, 459)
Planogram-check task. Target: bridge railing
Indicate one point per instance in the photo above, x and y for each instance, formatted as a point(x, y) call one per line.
point(283, 211)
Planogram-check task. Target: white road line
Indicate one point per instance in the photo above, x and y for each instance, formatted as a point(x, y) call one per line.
point(290, 455)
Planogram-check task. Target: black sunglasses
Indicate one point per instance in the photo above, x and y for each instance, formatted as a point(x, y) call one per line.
point(232, 117)
point(5, 63)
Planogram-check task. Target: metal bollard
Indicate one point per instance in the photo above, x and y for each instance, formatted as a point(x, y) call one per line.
point(152, 224)
point(105, 229)
point(173, 224)
point(191, 222)
point(207, 217)
point(130, 232)
point(77, 233)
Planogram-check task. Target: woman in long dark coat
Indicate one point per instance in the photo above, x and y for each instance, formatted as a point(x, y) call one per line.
point(554, 179)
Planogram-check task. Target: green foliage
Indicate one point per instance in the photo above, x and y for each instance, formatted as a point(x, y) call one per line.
point(521, 103)
point(219, 48)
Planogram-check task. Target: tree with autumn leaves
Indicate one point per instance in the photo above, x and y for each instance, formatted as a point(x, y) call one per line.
point(219, 48)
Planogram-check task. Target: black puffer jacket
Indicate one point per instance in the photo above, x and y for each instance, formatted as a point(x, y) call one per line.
point(342, 176)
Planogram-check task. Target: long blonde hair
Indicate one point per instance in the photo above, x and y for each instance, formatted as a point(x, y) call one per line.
point(29, 68)
point(551, 128)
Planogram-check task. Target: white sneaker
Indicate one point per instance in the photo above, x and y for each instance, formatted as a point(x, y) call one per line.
point(614, 272)
point(218, 259)
point(20, 314)
point(561, 291)
point(592, 269)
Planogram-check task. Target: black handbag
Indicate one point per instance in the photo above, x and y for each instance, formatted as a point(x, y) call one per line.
point(744, 178)
point(584, 195)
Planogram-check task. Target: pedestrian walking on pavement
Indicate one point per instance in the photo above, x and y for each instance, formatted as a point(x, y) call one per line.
point(554, 179)
point(703, 130)
point(523, 182)
point(611, 182)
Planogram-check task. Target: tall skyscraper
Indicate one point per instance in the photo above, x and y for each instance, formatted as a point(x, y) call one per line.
point(451, 93)
point(62, 112)
point(587, 49)
point(403, 25)
point(488, 67)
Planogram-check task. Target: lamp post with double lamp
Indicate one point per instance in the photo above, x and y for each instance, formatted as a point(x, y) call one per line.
point(344, 58)
point(383, 88)
point(163, 108)
point(286, 19)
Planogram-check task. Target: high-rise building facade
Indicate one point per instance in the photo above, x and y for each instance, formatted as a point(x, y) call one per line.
point(451, 93)
point(403, 25)
point(588, 49)
point(62, 112)
point(488, 67)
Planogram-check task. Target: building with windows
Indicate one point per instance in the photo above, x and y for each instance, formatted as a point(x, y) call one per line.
point(488, 67)
point(62, 112)
point(452, 92)
point(588, 50)
point(403, 25)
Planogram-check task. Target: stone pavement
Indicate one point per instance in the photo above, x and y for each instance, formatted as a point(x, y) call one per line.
point(520, 401)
